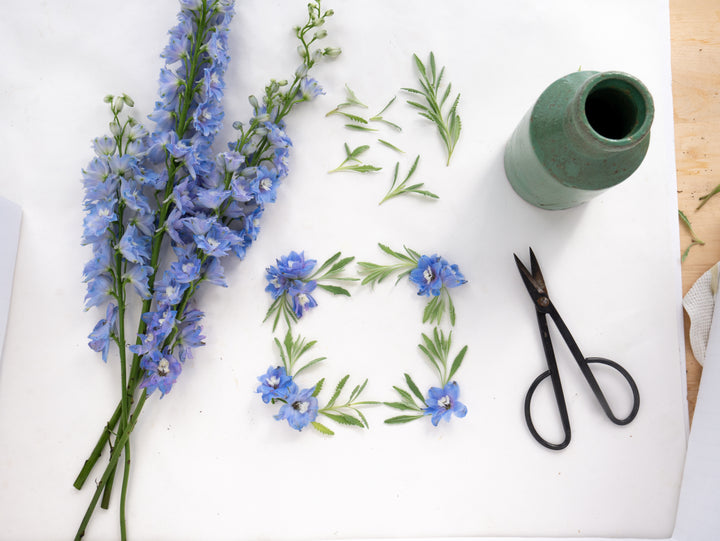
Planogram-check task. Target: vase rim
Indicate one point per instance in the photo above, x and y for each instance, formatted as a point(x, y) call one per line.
point(622, 95)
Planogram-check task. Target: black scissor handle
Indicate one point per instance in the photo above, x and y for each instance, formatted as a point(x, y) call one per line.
point(601, 397)
point(562, 408)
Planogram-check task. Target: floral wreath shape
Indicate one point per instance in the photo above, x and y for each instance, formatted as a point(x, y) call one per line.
point(291, 282)
point(434, 277)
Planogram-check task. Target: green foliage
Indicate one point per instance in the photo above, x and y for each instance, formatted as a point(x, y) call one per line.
point(351, 100)
point(353, 163)
point(448, 124)
point(411, 400)
point(374, 273)
point(404, 187)
point(291, 349)
point(437, 350)
point(694, 240)
point(348, 412)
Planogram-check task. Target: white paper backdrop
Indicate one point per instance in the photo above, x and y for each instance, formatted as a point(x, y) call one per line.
point(209, 462)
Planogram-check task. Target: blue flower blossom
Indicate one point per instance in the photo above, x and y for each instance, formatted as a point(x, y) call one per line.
point(264, 185)
point(134, 246)
point(302, 300)
point(186, 270)
point(295, 266)
point(168, 291)
point(443, 403)
point(433, 273)
point(215, 273)
point(138, 277)
point(102, 334)
point(309, 89)
point(301, 408)
point(161, 372)
point(98, 221)
point(100, 290)
point(275, 383)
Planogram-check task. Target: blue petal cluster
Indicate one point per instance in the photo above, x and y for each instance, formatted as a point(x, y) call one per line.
point(433, 273)
point(300, 407)
point(443, 403)
point(289, 276)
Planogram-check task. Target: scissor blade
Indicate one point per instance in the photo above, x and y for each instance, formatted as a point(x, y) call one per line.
point(537, 273)
point(530, 283)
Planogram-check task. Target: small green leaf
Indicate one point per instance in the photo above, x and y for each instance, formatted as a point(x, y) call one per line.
point(400, 406)
point(343, 418)
point(402, 419)
point(390, 145)
point(457, 362)
point(335, 290)
point(414, 388)
point(338, 390)
point(322, 428)
point(318, 387)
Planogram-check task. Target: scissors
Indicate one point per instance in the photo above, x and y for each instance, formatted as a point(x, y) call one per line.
point(544, 307)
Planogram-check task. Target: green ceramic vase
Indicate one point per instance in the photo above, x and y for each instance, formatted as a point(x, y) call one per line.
point(587, 131)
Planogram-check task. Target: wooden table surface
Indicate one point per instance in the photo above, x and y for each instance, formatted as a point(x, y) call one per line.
point(695, 41)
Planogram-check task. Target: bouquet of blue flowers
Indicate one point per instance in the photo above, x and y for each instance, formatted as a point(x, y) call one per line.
point(164, 209)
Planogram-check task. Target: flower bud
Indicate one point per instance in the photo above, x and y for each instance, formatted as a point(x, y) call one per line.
point(128, 100)
point(332, 52)
point(117, 104)
point(329, 13)
point(254, 102)
point(115, 127)
point(108, 98)
point(320, 34)
point(237, 125)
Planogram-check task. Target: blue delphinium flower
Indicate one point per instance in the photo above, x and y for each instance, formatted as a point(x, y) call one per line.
point(301, 408)
point(161, 372)
point(275, 383)
point(289, 269)
point(302, 300)
point(443, 403)
point(433, 273)
point(102, 334)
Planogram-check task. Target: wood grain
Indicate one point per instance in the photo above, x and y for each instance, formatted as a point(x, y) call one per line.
point(695, 43)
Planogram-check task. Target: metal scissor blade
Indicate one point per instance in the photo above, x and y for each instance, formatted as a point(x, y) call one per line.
point(533, 278)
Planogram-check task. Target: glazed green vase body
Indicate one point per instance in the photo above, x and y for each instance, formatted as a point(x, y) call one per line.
point(586, 133)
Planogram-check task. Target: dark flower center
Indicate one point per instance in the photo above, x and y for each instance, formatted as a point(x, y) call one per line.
point(445, 402)
point(300, 406)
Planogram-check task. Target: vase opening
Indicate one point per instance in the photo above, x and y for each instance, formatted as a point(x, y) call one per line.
point(615, 108)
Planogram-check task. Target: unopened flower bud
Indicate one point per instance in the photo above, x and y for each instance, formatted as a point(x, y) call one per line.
point(128, 100)
point(320, 34)
point(108, 98)
point(332, 52)
point(115, 127)
point(329, 13)
point(237, 125)
point(254, 102)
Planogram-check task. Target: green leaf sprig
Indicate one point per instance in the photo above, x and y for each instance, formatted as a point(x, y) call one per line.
point(410, 401)
point(353, 163)
point(404, 187)
point(351, 100)
point(695, 241)
point(448, 124)
point(291, 349)
point(437, 350)
point(345, 413)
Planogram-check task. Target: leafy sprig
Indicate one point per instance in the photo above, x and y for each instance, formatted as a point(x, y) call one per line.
point(448, 124)
point(345, 413)
point(379, 118)
point(410, 401)
point(374, 273)
point(694, 240)
point(437, 350)
point(404, 187)
point(353, 163)
point(291, 349)
point(351, 100)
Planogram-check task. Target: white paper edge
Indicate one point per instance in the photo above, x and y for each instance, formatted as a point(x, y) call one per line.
point(10, 217)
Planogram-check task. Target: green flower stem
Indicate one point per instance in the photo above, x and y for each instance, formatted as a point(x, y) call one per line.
point(122, 440)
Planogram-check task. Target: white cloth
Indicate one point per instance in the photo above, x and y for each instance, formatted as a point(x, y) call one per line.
point(699, 303)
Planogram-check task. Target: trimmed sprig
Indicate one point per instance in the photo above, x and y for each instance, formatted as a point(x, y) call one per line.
point(694, 240)
point(437, 350)
point(374, 273)
point(343, 412)
point(448, 124)
point(351, 100)
point(353, 163)
point(404, 187)
point(379, 118)
point(291, 349)
point(410, 401)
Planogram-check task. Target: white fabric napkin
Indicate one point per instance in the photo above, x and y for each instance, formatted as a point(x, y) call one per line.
point(9, 236)
point(699, 303)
